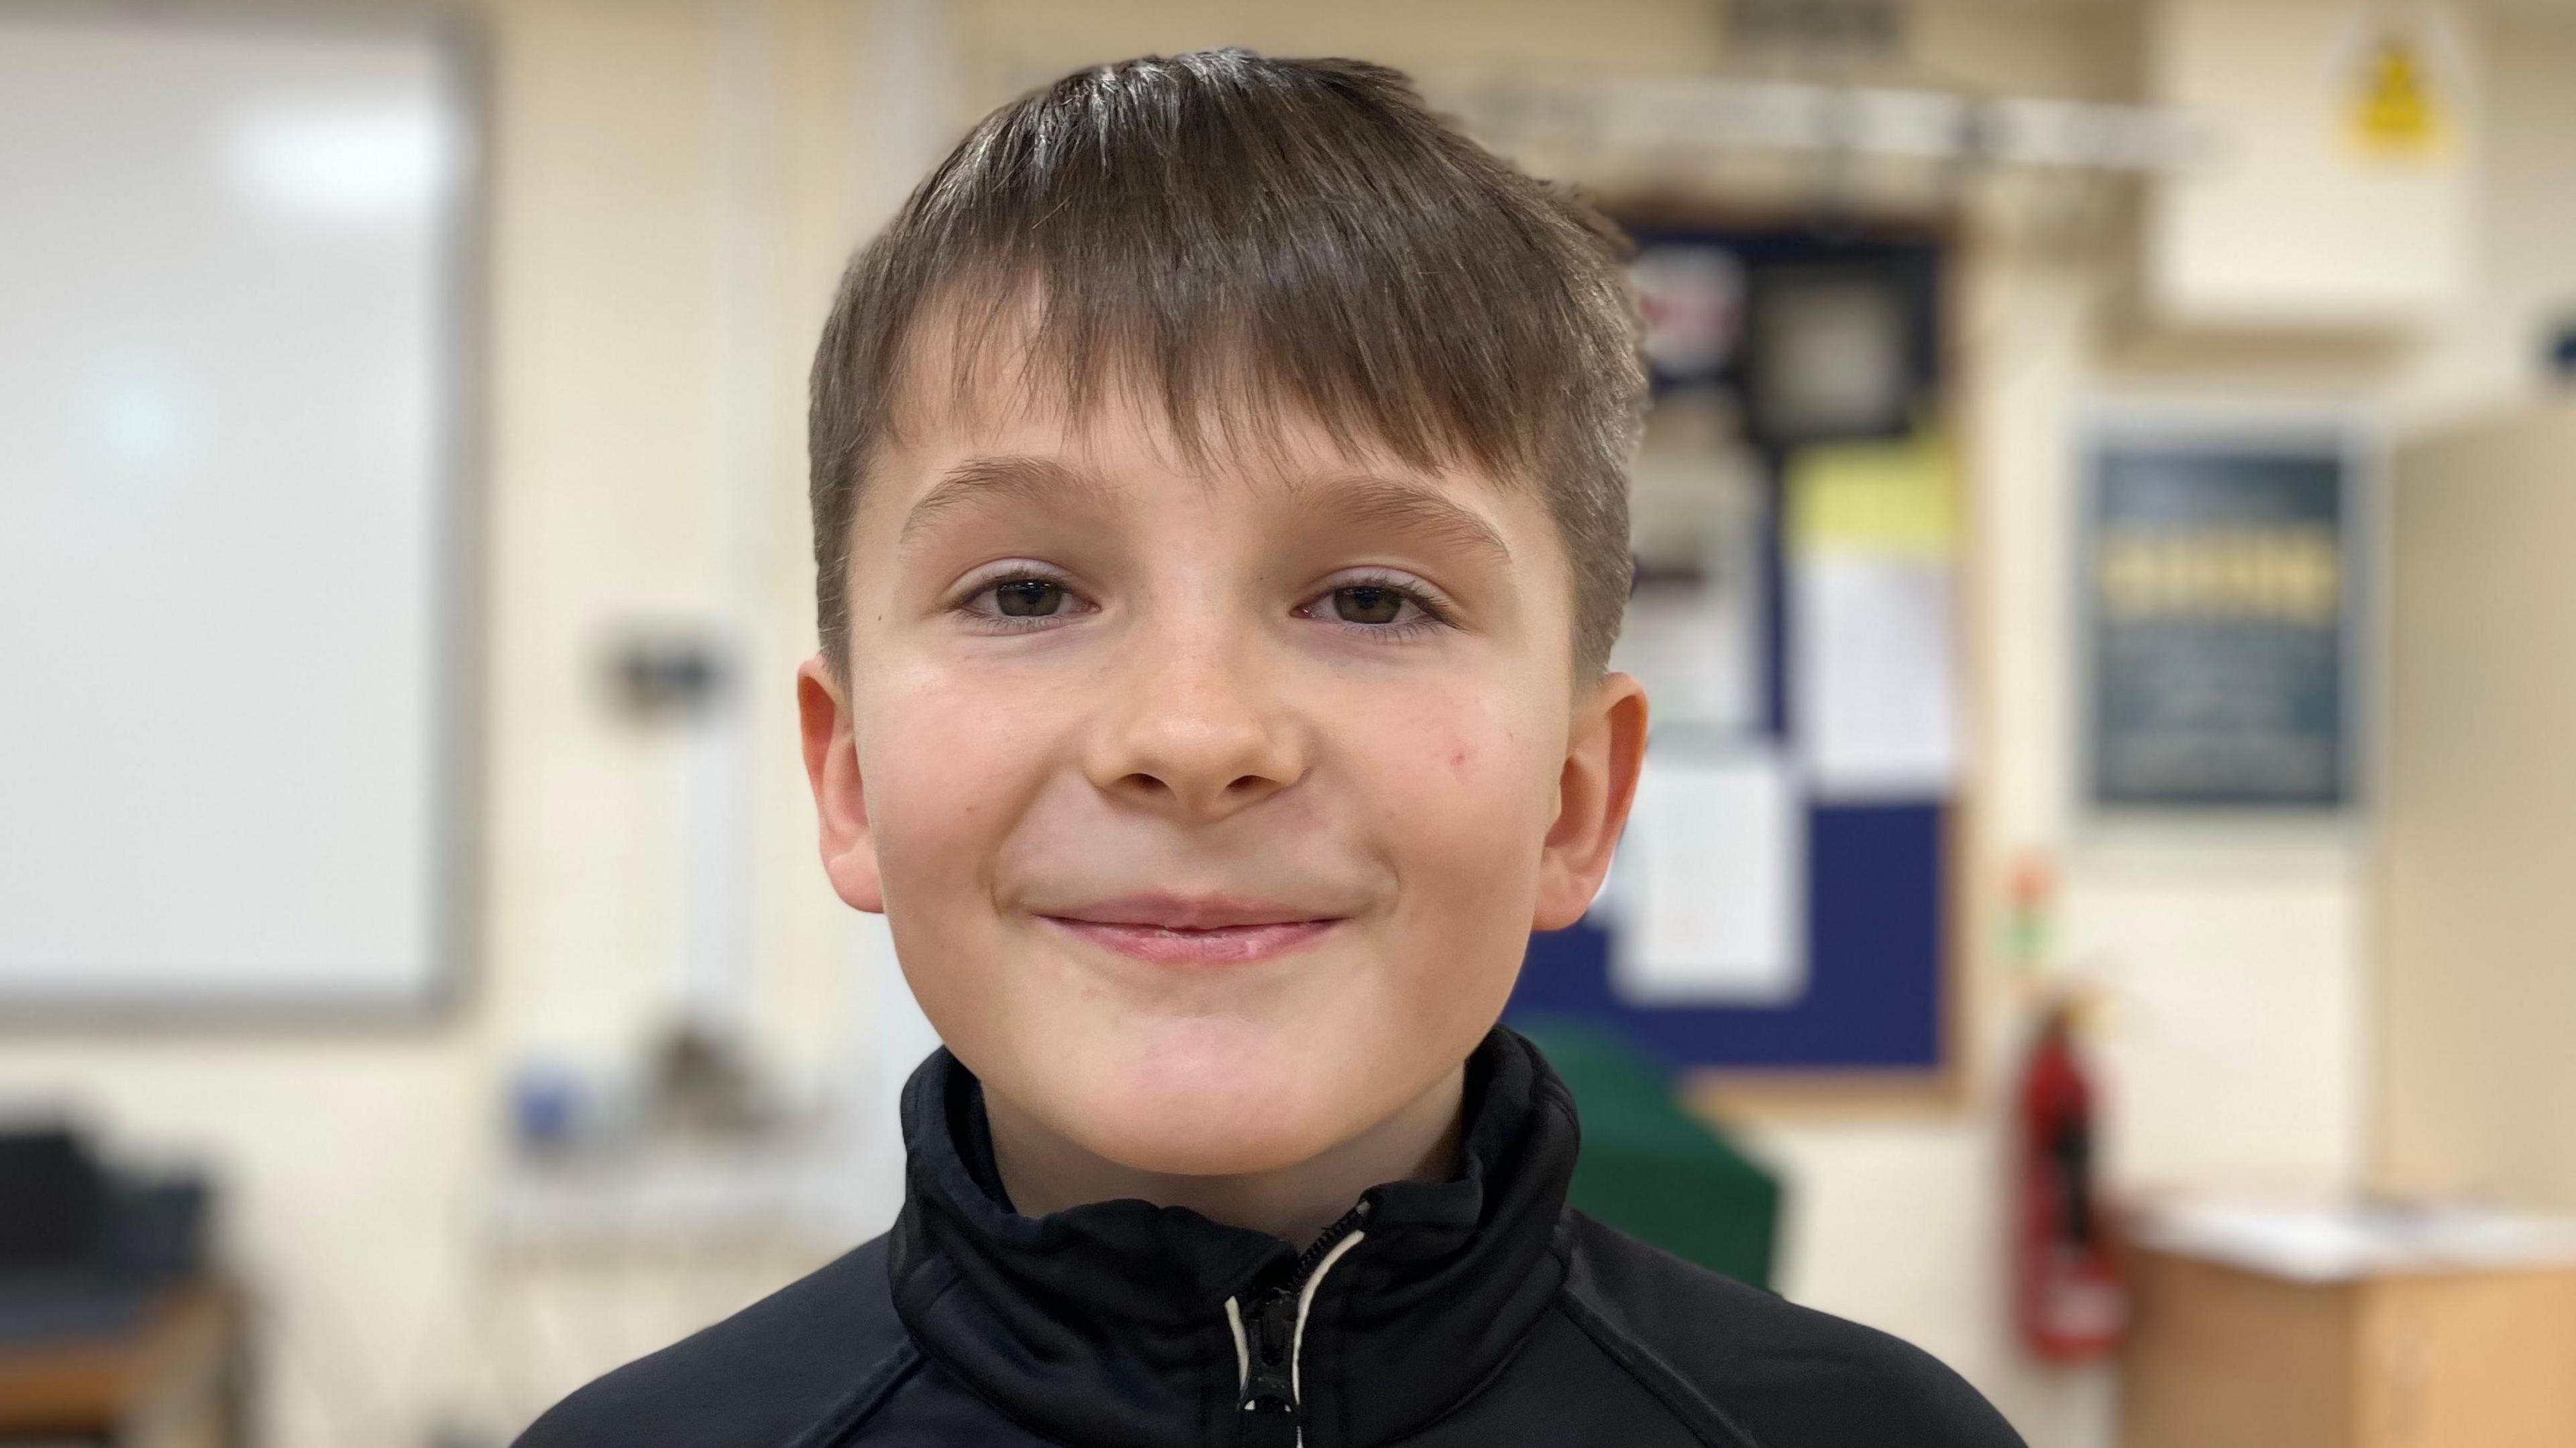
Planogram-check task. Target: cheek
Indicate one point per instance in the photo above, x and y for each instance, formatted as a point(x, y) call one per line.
point(948, 771)
point(1462, 791)
point(944, 767)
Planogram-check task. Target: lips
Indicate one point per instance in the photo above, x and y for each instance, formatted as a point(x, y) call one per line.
point(1194, 930)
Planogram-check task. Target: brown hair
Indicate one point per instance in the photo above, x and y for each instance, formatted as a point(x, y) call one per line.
point(1227, 232)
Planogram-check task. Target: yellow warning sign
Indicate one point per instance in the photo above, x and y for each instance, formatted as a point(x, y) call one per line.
point(2397, 107)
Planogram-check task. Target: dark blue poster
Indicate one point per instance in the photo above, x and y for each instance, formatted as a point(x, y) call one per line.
point(2221, 601)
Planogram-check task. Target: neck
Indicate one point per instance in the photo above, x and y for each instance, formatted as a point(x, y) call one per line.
point(1045, 1172)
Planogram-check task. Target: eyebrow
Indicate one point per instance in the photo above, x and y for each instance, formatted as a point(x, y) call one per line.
point(1365, 499)
point(989, 481)
point(1409, 506)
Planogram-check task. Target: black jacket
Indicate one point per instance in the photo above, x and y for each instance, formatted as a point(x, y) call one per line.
point(1470, 1313)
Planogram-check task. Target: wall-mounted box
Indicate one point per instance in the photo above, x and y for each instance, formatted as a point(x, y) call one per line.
point(2339, 192)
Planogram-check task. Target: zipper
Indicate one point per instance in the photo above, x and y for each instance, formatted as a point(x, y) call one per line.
point(1269, 1333)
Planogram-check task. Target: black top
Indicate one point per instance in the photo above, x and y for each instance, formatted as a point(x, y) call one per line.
point(1469, 1313)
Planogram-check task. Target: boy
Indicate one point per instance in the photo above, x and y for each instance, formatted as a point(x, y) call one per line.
point(1219, 480)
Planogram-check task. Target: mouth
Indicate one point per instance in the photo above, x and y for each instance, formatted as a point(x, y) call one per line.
point(1194, 930)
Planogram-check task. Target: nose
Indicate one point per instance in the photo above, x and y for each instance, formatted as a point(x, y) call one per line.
point(1190, 726)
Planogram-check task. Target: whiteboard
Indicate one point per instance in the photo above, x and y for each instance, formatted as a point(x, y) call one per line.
point(236, 262)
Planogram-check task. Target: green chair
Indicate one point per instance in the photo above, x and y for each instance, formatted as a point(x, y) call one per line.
point(1652, 1169)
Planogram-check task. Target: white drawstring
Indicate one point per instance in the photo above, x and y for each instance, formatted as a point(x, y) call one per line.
point(1305, 1301)
point(1242, 1354)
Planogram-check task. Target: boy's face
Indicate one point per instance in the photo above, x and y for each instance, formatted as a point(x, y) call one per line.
point(1210, 810)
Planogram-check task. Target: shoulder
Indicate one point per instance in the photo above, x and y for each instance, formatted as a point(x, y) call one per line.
point(1769, 1373)
point(823, 1347)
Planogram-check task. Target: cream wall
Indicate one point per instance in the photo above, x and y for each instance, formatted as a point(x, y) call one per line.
point(635, 471)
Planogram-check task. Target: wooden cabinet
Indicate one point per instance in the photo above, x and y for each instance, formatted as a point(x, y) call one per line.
point(2223, 1357)
point(174, 1379)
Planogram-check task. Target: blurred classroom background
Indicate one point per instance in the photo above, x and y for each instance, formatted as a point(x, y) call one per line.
point(2097, 908)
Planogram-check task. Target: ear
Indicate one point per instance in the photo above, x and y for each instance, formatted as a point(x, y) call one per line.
point(1593, 792)
point(840, 798)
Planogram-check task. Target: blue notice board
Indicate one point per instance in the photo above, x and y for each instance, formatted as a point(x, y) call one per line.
point(1877, 907)
point(1876, 926)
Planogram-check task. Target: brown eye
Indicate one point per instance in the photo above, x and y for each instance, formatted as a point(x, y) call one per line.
point(1028, 597)
point(1367, 603)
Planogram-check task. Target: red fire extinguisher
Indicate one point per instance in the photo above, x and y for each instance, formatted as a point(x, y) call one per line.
point(2067, 1291)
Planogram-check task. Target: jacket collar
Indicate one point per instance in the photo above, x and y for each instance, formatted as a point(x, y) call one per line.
point(1108, 1323)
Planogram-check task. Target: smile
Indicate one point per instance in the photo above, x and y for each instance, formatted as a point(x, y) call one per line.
point(1166, 931)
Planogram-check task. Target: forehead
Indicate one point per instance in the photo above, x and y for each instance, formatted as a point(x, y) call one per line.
point(976, 404)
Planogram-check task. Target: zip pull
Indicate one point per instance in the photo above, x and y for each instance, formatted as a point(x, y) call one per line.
point(1265, 1354)
point(1268, 1340)
point(1270, 1375)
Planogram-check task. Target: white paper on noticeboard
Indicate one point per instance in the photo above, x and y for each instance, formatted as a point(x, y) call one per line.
point(1874, 699)
point(1872, 530)
point(1705, 907)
